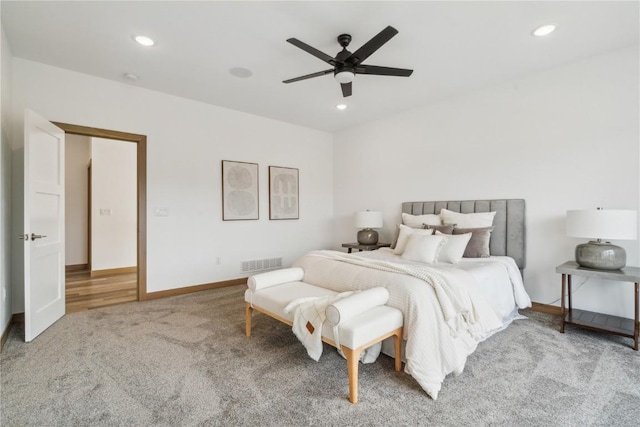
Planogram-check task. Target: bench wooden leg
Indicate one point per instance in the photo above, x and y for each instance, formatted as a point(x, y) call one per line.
point(397, 341)
point(353, 358)
point(247, 319)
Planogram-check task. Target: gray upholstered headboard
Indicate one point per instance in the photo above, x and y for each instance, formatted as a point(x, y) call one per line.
point(508, 235)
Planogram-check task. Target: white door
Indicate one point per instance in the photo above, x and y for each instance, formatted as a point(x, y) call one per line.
point(44, 276)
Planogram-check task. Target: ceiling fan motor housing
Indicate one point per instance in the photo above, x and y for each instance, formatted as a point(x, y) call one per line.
point(344, 40)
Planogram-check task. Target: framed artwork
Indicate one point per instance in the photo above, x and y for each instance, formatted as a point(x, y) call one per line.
point(283, 193)
point(239, 190)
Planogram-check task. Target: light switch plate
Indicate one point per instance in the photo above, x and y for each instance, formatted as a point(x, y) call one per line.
point(161, 212)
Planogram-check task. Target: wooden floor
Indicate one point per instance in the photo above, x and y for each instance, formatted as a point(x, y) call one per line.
point(85, 293)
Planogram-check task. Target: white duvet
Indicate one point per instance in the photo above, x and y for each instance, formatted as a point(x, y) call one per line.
point(445, 316)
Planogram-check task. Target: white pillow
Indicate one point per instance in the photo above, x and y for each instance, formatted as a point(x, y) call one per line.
point(418, 221)
point(275, 277)
point(403, 237)
point(355, 304)
point(423, 248)
point(468, 220)
point(454, 249)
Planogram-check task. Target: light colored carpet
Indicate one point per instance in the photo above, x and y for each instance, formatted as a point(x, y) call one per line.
point(185, 361)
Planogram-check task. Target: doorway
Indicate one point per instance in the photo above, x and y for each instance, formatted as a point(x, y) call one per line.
point(116, 285)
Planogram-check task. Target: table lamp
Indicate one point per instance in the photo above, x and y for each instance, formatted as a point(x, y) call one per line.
point(602, 224)
point(368, 220)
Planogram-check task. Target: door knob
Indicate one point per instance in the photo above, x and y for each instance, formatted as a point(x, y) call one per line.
point(37, 236)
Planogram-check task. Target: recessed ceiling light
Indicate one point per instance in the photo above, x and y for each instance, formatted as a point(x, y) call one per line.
point(240, 72)
point(341, 107)
point(545, 30)
point(145, 41)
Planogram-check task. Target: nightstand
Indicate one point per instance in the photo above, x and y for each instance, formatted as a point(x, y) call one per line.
point(360, 247)
point(597, 321)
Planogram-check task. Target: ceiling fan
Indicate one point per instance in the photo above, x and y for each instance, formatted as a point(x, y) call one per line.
point(346, 64)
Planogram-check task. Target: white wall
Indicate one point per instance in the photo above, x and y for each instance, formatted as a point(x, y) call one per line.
point(186, 142)
point(77, 157)
point(567, 138)
point(5, 182)
point(114, 199)
point(562, 139)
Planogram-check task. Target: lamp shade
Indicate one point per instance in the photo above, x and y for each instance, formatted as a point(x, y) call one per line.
point(603, 224)
point(368, 219)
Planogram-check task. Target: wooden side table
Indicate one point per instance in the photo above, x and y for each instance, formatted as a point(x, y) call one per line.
point(360, 247)
point(597, 321)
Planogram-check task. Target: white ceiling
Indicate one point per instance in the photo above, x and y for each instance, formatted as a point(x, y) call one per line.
point(454, 47)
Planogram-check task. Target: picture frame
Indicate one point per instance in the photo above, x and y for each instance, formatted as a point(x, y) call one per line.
point(284, 193)
point(240, 200)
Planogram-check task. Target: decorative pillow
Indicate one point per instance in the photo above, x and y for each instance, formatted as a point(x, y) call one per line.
point(467, 220)
point(444, 229)
point(417, 221)
point(478, 246)
point(403, 237)
point(454, 248)
point(355, 304)
point(275, 277)
point(423, 248)
point(395, 241)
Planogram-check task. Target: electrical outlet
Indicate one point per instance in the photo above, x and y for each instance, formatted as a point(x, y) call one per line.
point(219, 260)
point(105, 212)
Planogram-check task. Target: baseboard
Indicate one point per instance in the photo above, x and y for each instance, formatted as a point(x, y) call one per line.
point(16, 318)
point(75, 267)
point(113, 271)
point(192, 289)
point(546, 308)
point(5, 334)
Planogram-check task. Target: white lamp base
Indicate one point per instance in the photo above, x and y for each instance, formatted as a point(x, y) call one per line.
point(601, 256)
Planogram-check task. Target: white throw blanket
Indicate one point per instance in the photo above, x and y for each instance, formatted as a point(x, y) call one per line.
point(445, 316)
point(456, 304)
point(308, 318)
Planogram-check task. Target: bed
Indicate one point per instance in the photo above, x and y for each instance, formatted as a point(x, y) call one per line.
point(449, 308)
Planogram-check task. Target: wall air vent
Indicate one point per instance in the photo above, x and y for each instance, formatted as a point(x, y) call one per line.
point(261, 264)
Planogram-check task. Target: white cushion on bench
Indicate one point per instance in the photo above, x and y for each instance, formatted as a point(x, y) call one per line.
point(365, 327)
point(354, 332)
point(276, 277)
point(275, 298)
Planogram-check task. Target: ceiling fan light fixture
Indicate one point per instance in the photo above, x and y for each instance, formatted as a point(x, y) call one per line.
point(344, 77)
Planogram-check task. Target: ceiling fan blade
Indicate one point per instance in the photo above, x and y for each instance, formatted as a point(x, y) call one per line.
point(313, 51)
point(308, 76)
point(346, 89)
point(383, 71)
point(372, 45)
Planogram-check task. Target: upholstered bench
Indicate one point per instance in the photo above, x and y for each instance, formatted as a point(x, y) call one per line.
point(360, 319)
